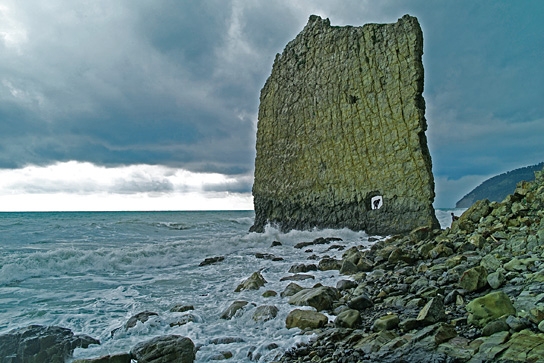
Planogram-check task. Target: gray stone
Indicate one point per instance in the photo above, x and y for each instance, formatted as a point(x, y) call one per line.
point(345, 285)
point(490, 263)
point(115, 358)
point(302, 268)
point(386, 322)
point(304, 319)
point(233, 309)
point(291, 290)
point(495, 279)
point(180, 308)
point(473, 279)
point(432, 312)
point(269, 293)
point(361, 302)
point(264, 313)
point(321, 298)
point(140, 317)
point(489, 307)
point(38, 344)
point(254, 282)
point(339, 101)
point(184, 319)
point(297, 277)
point(495, 327)
point(348, 318)
point(348, 268)
point(327, 264)
point(165, 349)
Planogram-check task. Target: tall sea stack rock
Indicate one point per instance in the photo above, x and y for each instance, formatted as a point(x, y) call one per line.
point(341, 132)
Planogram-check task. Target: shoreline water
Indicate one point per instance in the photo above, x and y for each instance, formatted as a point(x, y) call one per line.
point(69, 271)
point(154, 273)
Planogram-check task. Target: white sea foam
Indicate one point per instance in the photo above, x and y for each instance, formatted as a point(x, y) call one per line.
point(91, 273)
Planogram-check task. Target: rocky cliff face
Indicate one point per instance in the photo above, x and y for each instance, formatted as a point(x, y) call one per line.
point(341, 132)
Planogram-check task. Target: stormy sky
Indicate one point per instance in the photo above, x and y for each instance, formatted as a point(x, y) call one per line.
point(133, 104)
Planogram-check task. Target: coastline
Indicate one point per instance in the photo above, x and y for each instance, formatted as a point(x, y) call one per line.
point(413, 295)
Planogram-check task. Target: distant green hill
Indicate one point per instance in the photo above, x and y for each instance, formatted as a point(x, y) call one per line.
point(498, 187)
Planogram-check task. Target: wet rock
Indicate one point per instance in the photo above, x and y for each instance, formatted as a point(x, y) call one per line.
point(457, 348)
point(516, 323)
point(269, 293)
point(515, 265)
point(116, 358)
point(432, 312)
point(496, 279)
point(524, 346)
point(211, 260)
point(169, 348)
point(140, 317)
point(181, 308)
point(184, 319)
point(276, 244)
point(489, 307)
point(226, 340)
point(365, 265)
point(374, 342)
point(348, 268)
point(321, 298)
point(222, 355)
point(302, 268)
point(254, 282)
point(37, 343)
point(264, 313)
point(361, 302)
point(387, 322)
point(297, 277)
point(233, 309)
point(345, 285)
point(327, 264)
point(268, 256)
point(473, 279)
point(348, 318)
point(291, 290)
point(303, 319)
point(495, 327)
point(443, 333)
point(477, 211)
point(410, 324)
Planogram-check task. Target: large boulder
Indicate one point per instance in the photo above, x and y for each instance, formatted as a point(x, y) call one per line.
point(165, 349)
point(321, 298)
point(39, 344)
point(489, 307)
point(304, 319)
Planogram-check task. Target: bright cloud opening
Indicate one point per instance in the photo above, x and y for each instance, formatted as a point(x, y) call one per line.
point(79, 186)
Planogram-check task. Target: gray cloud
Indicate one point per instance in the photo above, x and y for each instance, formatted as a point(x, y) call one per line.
point(177, 83)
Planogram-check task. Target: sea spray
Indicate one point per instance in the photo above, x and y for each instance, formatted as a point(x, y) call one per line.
point(90, 272)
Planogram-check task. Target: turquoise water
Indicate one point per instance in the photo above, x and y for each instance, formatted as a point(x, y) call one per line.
point(91, 271)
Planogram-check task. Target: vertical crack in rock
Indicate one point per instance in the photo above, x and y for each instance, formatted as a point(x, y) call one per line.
point(341, 132)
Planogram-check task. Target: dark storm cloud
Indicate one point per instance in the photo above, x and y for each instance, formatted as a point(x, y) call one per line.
point(177, 83)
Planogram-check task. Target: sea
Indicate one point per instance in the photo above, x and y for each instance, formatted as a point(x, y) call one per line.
point(91, 271)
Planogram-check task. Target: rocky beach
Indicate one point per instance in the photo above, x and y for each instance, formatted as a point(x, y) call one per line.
point(469, 293)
